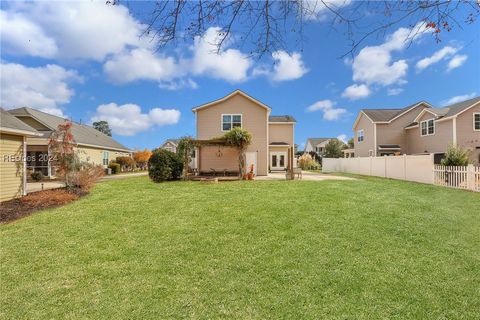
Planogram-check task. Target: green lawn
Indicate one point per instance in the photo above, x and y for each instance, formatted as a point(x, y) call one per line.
point(364, 249)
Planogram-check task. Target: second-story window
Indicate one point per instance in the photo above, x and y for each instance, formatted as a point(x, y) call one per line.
point(230, 121)
point(360, 136)
point(427, 127)
point(476, 121)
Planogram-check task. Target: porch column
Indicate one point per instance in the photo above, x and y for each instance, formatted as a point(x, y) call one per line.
point(199, 160)
point(49, 164)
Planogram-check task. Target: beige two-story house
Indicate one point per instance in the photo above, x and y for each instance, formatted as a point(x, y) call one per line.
point(418, 129)
point(272, 136)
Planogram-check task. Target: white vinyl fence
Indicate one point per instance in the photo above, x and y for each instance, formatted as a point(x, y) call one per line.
point(467, 178)
point(418, 168)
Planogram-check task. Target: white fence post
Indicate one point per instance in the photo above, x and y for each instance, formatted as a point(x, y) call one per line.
point(471, 177)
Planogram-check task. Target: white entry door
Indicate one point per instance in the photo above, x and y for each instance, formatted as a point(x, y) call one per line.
point(251, 158)
point(278, 160)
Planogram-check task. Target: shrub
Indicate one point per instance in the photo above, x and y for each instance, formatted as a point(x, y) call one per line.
point(141, 158)
point(306, 162)
point(48, 198)
point(115, 167)
point(164, 165)
point(85, 178)
point(455, 156)
point(37, 176)
point(126, 163)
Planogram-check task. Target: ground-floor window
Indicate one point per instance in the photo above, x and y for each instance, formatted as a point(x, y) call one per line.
point(105, 158)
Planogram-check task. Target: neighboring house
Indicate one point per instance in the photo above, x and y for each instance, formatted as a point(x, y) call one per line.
point(170, 145)
point(317, 145)
point(92, 146)
point(418, 129)
point(13, 146)
point(272, 136)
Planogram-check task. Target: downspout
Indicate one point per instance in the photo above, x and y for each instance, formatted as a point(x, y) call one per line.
point(454, 131)
point(374, 139)
point(24, 160)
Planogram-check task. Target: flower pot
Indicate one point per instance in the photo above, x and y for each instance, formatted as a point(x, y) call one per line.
point(245, 176)
point(250, 176)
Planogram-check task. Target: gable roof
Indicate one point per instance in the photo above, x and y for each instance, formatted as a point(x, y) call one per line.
point(83, 134)
point(387, 115)
point(174, 141)
point(317, 141)
point(281, 119)
point(9, 123)
point(381, 115)
point(240, 92)
point(459, 107)
point(451, 111)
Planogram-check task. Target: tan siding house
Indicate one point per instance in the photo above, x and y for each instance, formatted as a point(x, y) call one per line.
point(13, 145)
point(419, 129)
point(364, 136)
point(271, 135)
point(92, 145)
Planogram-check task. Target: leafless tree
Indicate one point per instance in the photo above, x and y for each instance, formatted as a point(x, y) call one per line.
point(265, 26)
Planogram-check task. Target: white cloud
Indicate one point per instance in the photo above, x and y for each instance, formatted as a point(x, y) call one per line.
point(288, 67)
point(394, 91)
point(343, 137)
point(230, 64)
point(42, 88)
point(128, 119)
point(142, 64)
point(460, 98)
point(356, 91)
point(178, 84)
point(330, 112)
point(69, 30)
point(318, 10)
point(374, 65)
point(21, 36)
point(163, 117)
point(457, 61)
point(139, 64)
point(439, 55)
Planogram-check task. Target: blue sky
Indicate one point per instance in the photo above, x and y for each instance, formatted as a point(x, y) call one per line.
point(66, 60)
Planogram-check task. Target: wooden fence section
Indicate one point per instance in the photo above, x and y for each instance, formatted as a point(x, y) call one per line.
point(459, 177)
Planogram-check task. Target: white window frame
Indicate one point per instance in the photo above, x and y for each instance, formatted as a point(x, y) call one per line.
point(474, 114)
point(231, 121)
point(426, 127)
point(360, 133)
point(105, 158)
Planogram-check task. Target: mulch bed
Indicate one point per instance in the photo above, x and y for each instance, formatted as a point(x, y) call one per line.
point(18, 208)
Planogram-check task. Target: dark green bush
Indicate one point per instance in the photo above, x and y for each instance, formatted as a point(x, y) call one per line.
point(164, 165)
point(115, 167)
point(37, 176)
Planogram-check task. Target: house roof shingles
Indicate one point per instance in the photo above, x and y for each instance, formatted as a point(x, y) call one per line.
point(82, 133)
point(460, 106)
point(316, 141)
point(8, 121)
point(285, 118)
